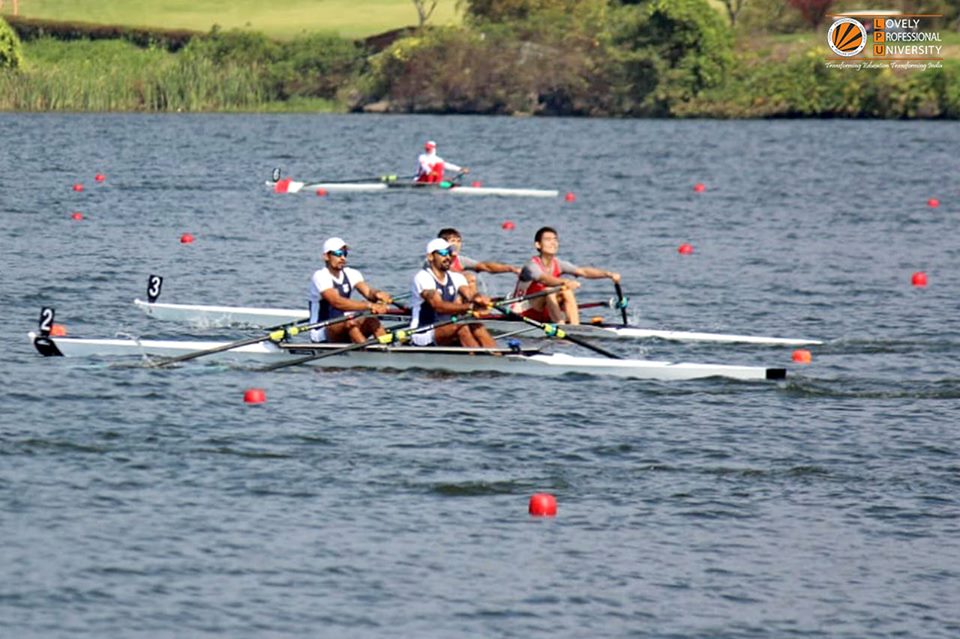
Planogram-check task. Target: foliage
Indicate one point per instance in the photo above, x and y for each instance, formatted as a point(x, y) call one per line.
point(32, 29)
point(813, 11)
point(512, 10)
point(802, 86)
point(685, 41)
point(491, 71)
point(316, 66)
point(10, 48)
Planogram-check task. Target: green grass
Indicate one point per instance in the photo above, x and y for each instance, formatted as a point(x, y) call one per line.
point(281, 19)
point(113, 75)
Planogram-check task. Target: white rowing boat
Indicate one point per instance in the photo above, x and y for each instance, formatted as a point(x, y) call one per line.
point(287, 185)
point(451, 359)
point(206, 316)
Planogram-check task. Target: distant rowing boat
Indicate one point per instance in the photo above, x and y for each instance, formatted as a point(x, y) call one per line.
point(204, 315)
point(452, 359)
point(287, 185)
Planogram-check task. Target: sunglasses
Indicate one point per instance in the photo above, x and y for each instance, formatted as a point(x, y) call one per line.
point(339, 253)
point(447, 252)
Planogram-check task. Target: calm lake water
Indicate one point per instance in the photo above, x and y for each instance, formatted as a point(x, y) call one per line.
point(137, 502)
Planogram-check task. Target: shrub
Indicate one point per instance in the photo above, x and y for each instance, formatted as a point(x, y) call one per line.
point(11, 56)
point(316, 66)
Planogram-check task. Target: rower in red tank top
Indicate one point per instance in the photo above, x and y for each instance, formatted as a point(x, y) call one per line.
point(546, 270)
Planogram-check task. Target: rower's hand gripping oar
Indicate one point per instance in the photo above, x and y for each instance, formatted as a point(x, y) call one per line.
point(552, 330)
point(398, 335)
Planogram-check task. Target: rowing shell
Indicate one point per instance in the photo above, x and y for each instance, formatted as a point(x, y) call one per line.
point(452, 359)
point(290, 186)
point(202, 315)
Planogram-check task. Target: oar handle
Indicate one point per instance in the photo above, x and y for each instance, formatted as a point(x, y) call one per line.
point(621, 302)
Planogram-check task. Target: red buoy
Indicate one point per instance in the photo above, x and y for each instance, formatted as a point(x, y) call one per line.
point(543, 505)
point(919, 279)
point(77, 187)
point(254, 396)
point(321, 192)
point(570, 197)
point(802, 356)
point(476, 184)
point(186, 238)
point(699, 187)
point(933, 203)
point(77, 215)
point(99, 177)
point(508, 225)
point(685, 249)
point(58, 330)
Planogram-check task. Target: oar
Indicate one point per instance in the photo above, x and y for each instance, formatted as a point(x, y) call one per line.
point(552, 330)
point(621, 302)
point(275, 336)
point(398, 335)
point(372, 178)
point(452, 182)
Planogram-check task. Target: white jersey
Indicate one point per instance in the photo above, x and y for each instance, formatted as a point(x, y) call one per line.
point(421, 313)
point(426, 161)
point(321, 281)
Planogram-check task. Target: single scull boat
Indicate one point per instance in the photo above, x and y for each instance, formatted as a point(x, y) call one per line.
point(287, 185)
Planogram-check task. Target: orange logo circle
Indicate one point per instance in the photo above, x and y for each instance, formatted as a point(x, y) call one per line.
point(847, 37)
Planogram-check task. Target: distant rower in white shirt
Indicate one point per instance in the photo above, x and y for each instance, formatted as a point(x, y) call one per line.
point(430, 166)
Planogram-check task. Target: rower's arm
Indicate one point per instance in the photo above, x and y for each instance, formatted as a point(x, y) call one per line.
point(592, 273)
point(496, 267)
point(434, 299)
point(345, 304)
point(380, 297)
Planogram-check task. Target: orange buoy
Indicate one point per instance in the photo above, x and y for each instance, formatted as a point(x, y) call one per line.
point(508, 225)
point(186, 238)
point(699, 187)
point(476, 184)
point(77, 187)
point(254, 396)
point(58, 330)
point(321, 192)
point(802, 356)
point(543, 505)
point(919, 279)
point(77, 215)
point(685, 249)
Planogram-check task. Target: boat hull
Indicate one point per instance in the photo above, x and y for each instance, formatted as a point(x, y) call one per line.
point(374, 187)
point(201, 315)
point(454, 360)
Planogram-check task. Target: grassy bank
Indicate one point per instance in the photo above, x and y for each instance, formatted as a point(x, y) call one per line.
point(668, 58)
point(284, 20)
point(115, 75)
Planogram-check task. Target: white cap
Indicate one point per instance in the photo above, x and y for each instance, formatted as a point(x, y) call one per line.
point(437, 244)
point(430, 145)
point(333, 244)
